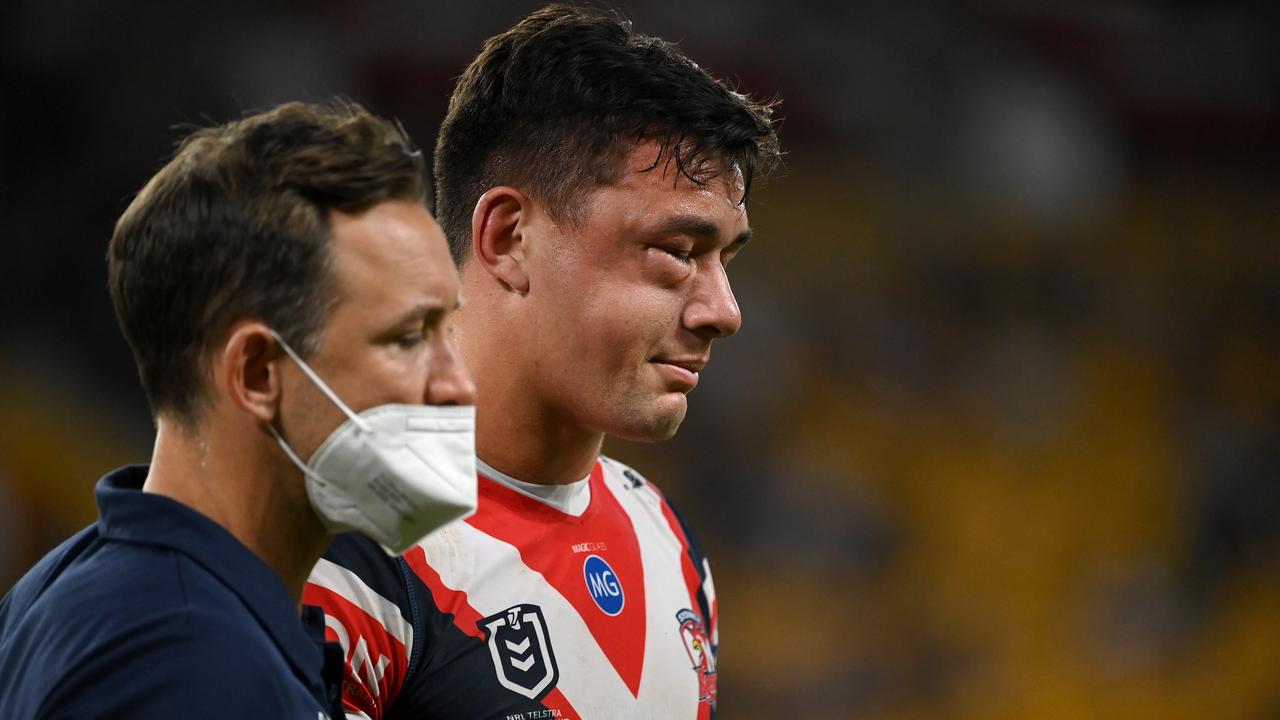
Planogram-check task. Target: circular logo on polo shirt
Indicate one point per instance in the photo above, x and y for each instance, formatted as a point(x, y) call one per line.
point(603, 584)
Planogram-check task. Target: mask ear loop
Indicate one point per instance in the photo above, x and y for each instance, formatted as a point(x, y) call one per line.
point(359, 421)
point(294, 456)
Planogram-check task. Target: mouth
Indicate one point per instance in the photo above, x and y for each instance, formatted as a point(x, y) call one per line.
point(681, 372)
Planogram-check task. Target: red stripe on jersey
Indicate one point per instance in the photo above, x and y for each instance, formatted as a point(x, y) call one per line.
point(446, 599)
point(557, 545)
point(467, 619)
point(376, 660)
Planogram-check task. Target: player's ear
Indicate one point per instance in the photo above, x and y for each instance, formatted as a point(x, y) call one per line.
point(498, 238)
point(248, 369)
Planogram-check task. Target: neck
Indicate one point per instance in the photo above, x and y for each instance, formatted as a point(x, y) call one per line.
point(527, 444)
point(234, 480)
point(516, 432)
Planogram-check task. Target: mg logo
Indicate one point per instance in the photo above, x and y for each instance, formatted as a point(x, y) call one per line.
point(603, 584)
point(521, 650)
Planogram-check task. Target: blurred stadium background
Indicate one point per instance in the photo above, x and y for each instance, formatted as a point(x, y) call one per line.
point(1000, 437)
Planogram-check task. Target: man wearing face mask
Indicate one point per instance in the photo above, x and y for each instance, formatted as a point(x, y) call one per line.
point(288, 297)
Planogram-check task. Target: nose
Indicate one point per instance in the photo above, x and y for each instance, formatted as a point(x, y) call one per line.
point(449, 382)
point(712, 310)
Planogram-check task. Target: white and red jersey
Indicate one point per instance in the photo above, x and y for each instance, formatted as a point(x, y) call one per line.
point(584, 601)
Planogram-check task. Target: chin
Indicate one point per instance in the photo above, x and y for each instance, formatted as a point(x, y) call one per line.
point(660, 423)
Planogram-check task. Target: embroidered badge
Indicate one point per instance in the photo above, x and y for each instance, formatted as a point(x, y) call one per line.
point(521, 649)
point(701, 654)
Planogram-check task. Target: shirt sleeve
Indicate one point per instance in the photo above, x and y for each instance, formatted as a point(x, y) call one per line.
point(367, 610)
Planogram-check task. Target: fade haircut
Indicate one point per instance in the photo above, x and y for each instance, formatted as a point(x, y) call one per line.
point(237, 225)
point(554, 104)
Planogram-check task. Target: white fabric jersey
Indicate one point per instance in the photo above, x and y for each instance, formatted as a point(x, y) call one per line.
point(592, 601)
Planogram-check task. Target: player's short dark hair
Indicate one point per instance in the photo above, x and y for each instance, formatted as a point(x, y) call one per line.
point(554, 104)
point(237, 225)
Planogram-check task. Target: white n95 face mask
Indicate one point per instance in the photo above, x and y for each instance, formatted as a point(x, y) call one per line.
point(392, 472)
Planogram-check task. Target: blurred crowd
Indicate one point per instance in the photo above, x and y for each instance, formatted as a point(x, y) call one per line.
point(1000, 437)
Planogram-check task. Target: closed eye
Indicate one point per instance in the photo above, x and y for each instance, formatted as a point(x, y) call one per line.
point(411, 340)
point(683, 256)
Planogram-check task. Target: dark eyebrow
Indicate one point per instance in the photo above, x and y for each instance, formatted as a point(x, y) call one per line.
point(429, 312)
point(698, 228)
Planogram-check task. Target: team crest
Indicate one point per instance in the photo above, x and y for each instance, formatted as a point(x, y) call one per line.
point(701, 654)
point(521, 649)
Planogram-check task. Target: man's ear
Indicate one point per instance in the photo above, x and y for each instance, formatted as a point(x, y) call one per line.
point(248, 369)
point(498, 241)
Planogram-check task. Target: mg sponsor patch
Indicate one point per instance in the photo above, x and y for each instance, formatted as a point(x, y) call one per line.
point(604, 585)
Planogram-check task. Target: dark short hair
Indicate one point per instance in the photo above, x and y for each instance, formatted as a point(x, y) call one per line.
point(237, 225)
point(555, 103)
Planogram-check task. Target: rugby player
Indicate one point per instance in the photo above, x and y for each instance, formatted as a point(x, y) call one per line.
point(592, 183)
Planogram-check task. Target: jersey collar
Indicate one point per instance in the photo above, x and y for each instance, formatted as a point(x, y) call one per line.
point(572, 499)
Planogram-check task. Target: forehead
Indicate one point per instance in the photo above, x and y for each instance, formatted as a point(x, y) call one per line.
point(389, 258)
point(650, 184)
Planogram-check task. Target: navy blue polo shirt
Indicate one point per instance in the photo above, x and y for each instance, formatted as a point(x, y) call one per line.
point(158, 612)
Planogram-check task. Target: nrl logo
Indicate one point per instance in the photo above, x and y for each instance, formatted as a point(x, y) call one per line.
point(521, 650)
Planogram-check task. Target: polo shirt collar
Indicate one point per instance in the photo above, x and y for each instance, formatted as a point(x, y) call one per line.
point(126, 514)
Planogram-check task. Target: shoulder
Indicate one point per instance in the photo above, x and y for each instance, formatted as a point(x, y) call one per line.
point(702, 587)
point(113, 598)
point(37, 581)
point(621, 477)
point(121, 637)
point(356, 573)
point(371, 612)
point(87, 589)
point(192, 665)
point(618, 474)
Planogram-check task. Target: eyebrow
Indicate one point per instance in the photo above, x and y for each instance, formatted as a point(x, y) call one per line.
point(698, 227)
point(427, 311)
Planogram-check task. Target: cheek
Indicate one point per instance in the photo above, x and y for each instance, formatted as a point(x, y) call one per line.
point(625, 328)
point(309, 422)
point(387, 374)
point(597, 325)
